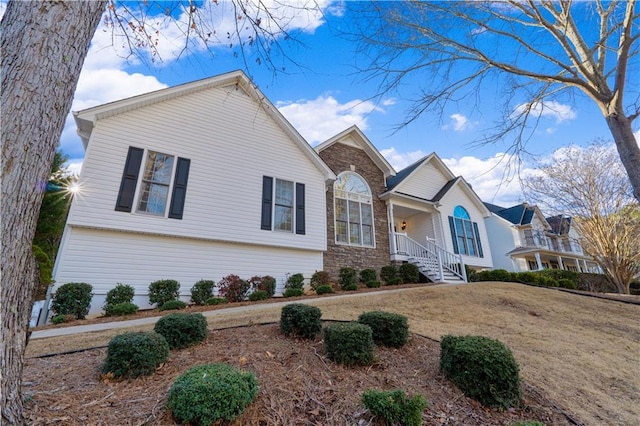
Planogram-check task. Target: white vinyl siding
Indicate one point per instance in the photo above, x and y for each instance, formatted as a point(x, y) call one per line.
point(424, 183)
point(104, 258)
point(231, 142)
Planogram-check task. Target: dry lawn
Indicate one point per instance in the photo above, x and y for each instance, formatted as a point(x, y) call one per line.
point(580, 352)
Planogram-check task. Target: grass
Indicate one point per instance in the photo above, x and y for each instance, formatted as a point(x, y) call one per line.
point(579, 351)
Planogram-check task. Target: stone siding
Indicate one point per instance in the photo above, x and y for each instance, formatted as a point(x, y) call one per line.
point(340, 158)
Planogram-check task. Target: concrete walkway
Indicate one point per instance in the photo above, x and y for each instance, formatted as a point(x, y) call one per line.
point(63, 331)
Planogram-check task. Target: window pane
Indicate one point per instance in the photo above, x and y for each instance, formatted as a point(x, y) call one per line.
point(354, 212)
point(341, 232)
point(283, 218)
point(460, 212)
point(284, 193)
point(354, 233)
point(462, 247)
point(341, 210)
point(366, 214)
point(153, 198)
point(158, 168)
point(459, 227)
point(367, 235)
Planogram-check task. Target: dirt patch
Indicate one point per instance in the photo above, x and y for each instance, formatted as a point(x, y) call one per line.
point(298, 385)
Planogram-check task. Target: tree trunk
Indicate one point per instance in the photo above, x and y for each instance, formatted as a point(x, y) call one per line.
point(628, 148)
point(43, 45)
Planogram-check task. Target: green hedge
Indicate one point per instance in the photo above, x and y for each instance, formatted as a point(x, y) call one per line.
point(483, 368)
point(202, 291)
point(182, 329)
point(300, 320)
point(349, 343)
point(395, 407)
point(135, 354)
point(388, 329)
point(162, 291)
point(72, 299)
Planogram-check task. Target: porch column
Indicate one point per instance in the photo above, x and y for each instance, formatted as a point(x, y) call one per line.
point(586, 268)
point(392, 231)
point(538, 261)
point(514, 265)
point(560, 264)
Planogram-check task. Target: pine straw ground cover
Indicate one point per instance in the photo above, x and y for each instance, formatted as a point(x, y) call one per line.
point(298, 385)
point(579, 352)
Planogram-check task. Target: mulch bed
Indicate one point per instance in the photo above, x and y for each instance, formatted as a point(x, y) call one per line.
point(298, 385)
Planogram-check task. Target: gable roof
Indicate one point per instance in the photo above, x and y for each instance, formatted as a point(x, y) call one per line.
point(363, 143)
point(560, 224)
point(87, 118)
point(407, 172)
point(520, 214)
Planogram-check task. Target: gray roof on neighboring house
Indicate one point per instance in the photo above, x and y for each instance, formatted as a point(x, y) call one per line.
point(521, 214)
point(560, 224)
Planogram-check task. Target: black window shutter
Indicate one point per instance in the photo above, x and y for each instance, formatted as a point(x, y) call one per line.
point(179, 188)
point(475, 229)
point(267, 197)
point(129, 180)
point(300, 224)
point(453, 235)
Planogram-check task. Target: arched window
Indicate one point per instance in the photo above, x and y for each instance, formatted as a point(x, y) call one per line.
point(464, 232)
point(353, 210)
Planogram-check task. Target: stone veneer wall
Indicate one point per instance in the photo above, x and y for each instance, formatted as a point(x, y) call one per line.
point(340, 158)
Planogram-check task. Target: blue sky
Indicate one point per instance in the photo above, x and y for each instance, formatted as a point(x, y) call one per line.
point(324, 95)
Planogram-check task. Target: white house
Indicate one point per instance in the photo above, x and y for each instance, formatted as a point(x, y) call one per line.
point(522, 239)
point(192, 182)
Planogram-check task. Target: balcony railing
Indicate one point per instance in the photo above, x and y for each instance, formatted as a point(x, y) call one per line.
point(540, 240)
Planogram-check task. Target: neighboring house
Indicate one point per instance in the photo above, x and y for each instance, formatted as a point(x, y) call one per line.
point(193, 182)
point(522, 239)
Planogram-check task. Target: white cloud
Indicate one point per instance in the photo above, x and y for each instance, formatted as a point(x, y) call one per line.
point(323, 117)
point(459, 123)
point(400, 160)
point(495, 179)
point(550, 109)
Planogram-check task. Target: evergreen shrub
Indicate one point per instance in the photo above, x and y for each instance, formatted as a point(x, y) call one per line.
point(135, 354)
point(409, 273)
point(495, 275)
point(373, 284)
point(182, 329)
point(349, 343)
point(124, 308)
point(567, 283)
point(295, 281)
point(350, 287)
point(61, 319)
point(319, 278)
point(216, 301)
point(389, 274)
point(388, 329)
point(121, 293)
point(206, 394)
point(258, 295)
point(293, 292)
point(162, 291)
point(367, 275)
point(395, 407)
point(483, 368)
point(233, 288)
point(201, 291)
point(72, 299)
point(300, 320)
point(171, 305)
point(324, 289)
point(348, 278)
point(526, 277)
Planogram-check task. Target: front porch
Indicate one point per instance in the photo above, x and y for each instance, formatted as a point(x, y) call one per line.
point(537, 259)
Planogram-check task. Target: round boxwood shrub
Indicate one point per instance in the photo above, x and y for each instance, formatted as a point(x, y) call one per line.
point(124, 308)
point(171, 305)
point(181, 329)
point(567, 283)
point(121, 293)
point(258, 295)
point(217, 301)
point(350, 287)
point(300, 320)
point(389, 274)
point(162, 291)
point(324, 289)
point(373, 284)
point(61, 319)
point(409, 273)
point(205, 394)
point(295, 281)
point(201, 291)
point(388, 329)
point(135, 354)
point(482, 368)
point(349, 343)
point(293, 292)
point(367, 275)
point(72, 299)
point(395, 407)
point(348, 278)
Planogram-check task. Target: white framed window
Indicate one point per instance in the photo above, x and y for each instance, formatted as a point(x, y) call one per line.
point(353, 210)
point(464, 232)
point(155, 183)
point(283, 206)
